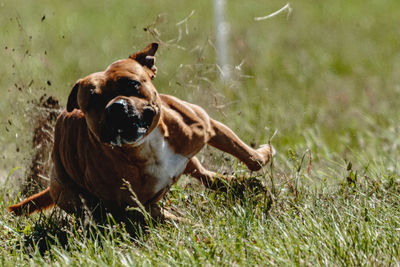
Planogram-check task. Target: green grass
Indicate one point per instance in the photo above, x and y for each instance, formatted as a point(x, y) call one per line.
point(326, 78)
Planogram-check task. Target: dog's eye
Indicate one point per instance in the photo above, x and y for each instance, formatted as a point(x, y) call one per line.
point(129, 87)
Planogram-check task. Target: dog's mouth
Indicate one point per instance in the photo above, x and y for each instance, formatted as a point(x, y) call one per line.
point(124, 124)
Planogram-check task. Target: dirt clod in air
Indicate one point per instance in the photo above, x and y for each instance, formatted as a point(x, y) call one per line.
point(44, 116)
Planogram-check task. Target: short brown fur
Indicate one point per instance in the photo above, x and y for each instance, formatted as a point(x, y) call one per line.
point(85, 167)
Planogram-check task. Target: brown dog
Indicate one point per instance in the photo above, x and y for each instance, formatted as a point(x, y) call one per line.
point(117, 128)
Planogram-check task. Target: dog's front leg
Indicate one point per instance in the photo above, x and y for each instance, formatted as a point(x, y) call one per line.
point(226, 140)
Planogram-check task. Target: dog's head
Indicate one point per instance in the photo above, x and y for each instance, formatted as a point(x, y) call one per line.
point(121, 105)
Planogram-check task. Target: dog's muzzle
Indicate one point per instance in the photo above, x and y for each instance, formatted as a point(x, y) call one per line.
point(124, 124)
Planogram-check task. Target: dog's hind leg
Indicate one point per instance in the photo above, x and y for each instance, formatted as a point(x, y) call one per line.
point(208, 178)
point(226, 140)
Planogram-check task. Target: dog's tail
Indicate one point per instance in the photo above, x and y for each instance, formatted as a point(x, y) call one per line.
point(37, 202)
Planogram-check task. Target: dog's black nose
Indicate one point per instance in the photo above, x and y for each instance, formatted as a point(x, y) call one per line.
point(118, 109)
point(120, 115)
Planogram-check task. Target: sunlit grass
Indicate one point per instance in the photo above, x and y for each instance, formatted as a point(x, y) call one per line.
point(325, 79)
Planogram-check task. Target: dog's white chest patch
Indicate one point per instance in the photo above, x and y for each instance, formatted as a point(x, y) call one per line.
point(162, 162)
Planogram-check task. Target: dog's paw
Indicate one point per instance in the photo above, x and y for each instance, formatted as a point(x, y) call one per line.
point(270, 150)
point(264, 155)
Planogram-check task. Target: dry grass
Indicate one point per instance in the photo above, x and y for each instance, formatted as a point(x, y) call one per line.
point(325, 78)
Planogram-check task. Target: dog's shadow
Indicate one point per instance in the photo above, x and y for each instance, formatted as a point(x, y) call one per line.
point(99, 225)
point(71, 232)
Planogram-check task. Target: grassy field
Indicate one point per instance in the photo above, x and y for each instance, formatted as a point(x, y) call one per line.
point(325, 79)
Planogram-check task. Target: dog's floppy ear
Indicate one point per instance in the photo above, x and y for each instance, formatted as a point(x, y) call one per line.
point(146, 58)
point(73, 98)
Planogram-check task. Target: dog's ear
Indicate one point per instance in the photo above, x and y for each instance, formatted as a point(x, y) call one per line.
point(146, 58)
point(73, 98)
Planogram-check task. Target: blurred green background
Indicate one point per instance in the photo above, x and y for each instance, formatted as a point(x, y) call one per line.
point(326, 76)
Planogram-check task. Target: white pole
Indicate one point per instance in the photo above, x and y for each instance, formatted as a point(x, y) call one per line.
point(221, 32)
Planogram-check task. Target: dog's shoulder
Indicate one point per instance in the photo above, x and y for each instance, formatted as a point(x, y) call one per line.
point(74, 115)
point(70, 127)
point(68, 121)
